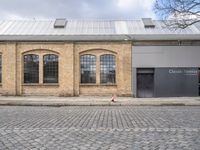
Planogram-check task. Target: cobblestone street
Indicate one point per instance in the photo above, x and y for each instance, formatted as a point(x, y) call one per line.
point(100, 127)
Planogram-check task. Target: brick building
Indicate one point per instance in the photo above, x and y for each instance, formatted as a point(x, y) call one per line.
point(73, 57)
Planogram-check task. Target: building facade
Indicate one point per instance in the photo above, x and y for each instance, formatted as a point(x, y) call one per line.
point(169, 71)
point(65, 68)
point(61, 57)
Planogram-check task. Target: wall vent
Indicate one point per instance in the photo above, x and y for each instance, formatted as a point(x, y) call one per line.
point(148, 23)
point(60, 23)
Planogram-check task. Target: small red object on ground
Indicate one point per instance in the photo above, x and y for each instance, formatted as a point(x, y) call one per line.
point(113, 98)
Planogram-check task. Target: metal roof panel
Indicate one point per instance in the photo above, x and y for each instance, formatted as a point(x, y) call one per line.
point(96, 28)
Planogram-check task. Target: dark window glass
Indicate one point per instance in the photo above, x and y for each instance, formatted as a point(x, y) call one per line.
point(50, 63)
point(88, 69)
point(107, 68)
point(0, 69)
point(31, 68)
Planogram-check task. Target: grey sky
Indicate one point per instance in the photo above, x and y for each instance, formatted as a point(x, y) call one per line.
point(76, 9)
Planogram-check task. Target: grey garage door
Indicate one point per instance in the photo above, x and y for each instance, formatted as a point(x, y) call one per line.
point(145, 83)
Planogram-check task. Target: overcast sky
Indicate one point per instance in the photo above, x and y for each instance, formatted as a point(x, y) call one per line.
point(76, 9)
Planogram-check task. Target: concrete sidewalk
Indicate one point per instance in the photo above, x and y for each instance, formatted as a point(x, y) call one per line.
point(96, 101)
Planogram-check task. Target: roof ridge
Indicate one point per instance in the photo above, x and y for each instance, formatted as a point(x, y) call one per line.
point(53, 19)
point(76, 19)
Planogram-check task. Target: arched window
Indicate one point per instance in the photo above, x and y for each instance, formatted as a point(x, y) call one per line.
point(50, 67)
point(88, 69)
point(31, 68)
point(107, 68)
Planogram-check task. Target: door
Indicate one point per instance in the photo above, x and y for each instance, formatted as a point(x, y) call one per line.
point(145, 84)
point(199, 81)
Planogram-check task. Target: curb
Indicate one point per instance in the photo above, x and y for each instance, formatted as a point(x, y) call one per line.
point(93, 104)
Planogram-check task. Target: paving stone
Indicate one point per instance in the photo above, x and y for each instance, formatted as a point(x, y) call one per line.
point(110, 127)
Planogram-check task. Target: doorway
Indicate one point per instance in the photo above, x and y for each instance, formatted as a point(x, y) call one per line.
point(145, 82)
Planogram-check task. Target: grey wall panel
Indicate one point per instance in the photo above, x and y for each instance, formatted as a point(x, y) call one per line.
point(166, 56)
point(134, 81)
point(170, 82)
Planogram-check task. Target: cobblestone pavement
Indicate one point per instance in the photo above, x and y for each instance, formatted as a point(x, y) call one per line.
point(122, 127)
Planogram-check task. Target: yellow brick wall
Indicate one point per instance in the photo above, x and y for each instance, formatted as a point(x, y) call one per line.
point(8, 52)
point(2, 49)
point(65, 53)
point(122, 51)
point(69, 68)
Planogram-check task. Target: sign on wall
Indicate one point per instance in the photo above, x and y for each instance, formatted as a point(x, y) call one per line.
point(176, 82)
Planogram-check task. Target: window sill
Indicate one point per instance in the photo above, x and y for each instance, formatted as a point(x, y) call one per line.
point(89, 84)
point(81, 84)
point(40, 84)
point(109, 84)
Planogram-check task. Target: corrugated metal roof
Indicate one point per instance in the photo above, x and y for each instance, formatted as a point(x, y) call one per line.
point(92, 30)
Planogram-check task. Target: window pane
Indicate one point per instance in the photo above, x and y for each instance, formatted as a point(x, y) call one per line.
point(0, 68)
point(88, 69)
point(50, 63)
point(31, 68)
point(107, 68)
